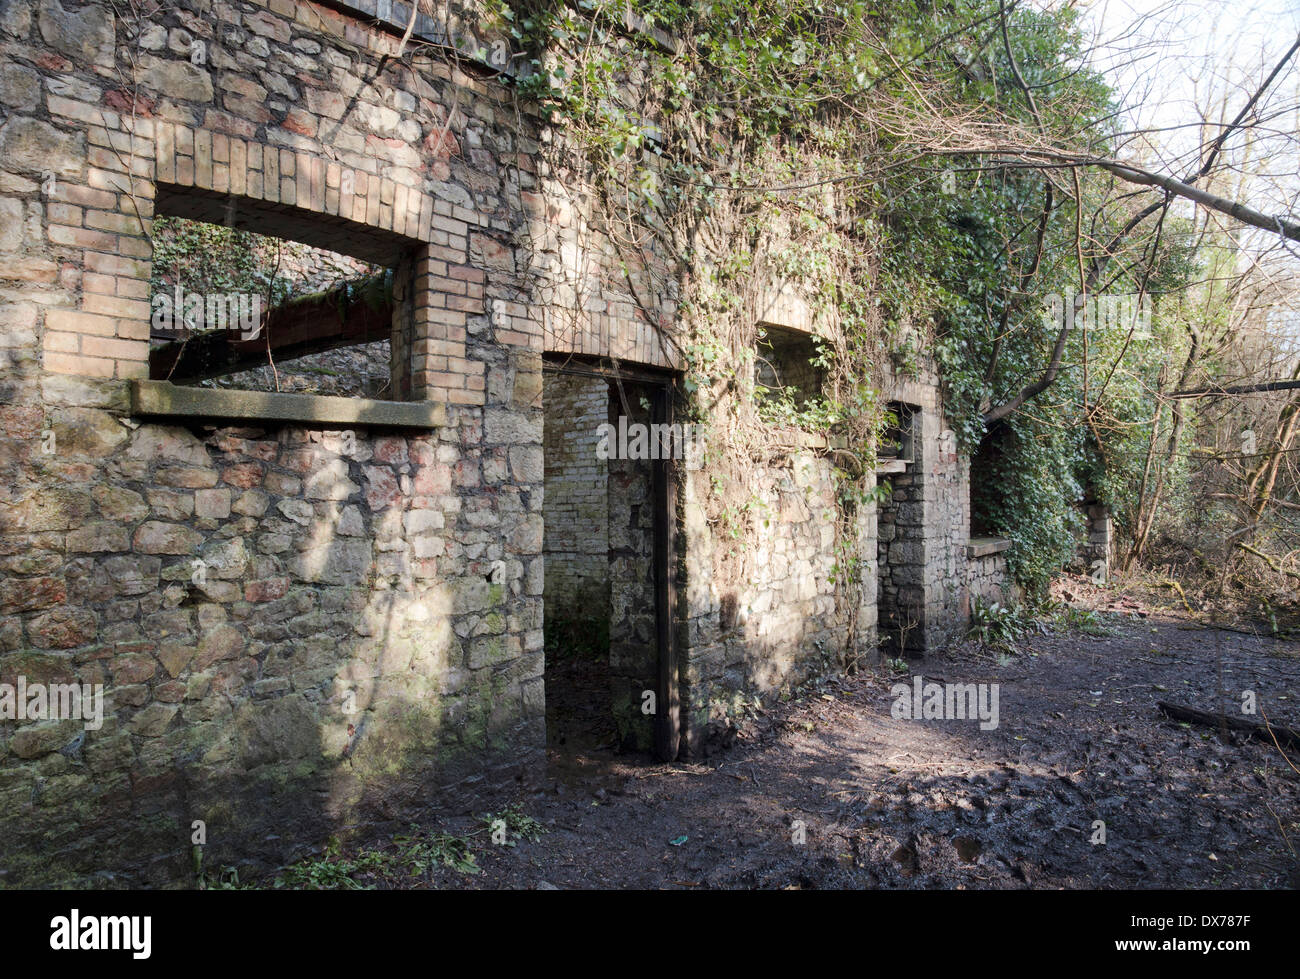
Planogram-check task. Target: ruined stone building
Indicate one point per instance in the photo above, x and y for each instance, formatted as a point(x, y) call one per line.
point(315, 613)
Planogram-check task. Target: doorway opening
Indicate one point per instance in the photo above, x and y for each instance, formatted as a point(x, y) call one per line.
point(607, 510)
point(986, 504)
point(901, 541)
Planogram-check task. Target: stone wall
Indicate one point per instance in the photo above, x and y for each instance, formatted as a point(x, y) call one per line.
point(987, 575)
point(901, 556)
point(304, 630)
point(633, 646)
point(369, 624)
point(1094, 548)
point(776, 622)
point(947, 534)
point(283, 620)
point(924, 529)
point(359, 371)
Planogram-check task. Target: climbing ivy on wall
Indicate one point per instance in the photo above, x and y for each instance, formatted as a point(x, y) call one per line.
point(751, 140)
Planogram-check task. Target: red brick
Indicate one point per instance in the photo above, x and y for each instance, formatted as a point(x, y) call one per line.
point(266, 590)
point(245, 475)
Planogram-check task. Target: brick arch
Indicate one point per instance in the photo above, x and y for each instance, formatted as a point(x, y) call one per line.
point(306, 192)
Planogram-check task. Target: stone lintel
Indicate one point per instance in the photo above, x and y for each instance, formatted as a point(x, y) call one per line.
point(164, 399)
point(986, 546)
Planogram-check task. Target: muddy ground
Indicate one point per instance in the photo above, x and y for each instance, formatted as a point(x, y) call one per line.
point(894, 803)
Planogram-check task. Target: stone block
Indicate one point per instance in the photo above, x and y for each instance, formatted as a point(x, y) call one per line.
point(85, 34)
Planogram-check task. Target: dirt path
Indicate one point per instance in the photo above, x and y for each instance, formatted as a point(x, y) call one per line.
point(888, 802)
point(941, 804)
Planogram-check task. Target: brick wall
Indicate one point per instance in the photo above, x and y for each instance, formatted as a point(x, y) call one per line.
point(576, 509)
point(924, 529)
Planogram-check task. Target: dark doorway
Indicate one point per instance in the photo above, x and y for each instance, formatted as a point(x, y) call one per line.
point(901, 529)
point(986, 502)
point(609, 514)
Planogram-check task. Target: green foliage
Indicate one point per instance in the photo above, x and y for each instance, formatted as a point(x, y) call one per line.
point(205, 258)
point(1073, 619)
point(998, 626)
point(199, 257)
point(227, 879)
point(332, 872)
point(420, 853)
point(518, 824)
point(1028, 493)
point(410, 855)
point(784, 408)
point(745, 117)
point(898, 666)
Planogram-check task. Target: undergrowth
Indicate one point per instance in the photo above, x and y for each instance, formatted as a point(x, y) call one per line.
point(999, 626)
point(407, 860)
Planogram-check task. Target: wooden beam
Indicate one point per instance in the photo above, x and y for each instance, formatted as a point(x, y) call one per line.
point(668, 724)
point(292, 330)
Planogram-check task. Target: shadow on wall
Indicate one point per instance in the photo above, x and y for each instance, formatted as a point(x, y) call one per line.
point(291, 643)
point(777, 620)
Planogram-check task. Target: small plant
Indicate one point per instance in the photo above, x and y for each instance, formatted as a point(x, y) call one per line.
point(998, 626)
point(413, 855)
point(422, 854)
point(1085, 620)
point(227, 879)
point(332, 871)
point(519, 825)
point(320, 875)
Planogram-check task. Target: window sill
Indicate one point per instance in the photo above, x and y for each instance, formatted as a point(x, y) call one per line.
point(986, 546)
point(162, 399)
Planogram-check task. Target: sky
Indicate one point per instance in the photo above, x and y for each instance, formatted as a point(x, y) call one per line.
point(1169, 60)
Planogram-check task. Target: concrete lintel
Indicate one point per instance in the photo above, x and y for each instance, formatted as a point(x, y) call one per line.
point(164, 399)
point(797, 439)
point(985, 546)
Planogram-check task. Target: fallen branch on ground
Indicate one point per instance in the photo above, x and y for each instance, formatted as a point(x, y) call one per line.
point(1282, 737)
point(1268, 560)
point(1179, 588)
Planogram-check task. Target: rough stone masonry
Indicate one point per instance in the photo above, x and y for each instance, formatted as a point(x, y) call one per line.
point(307, 626)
